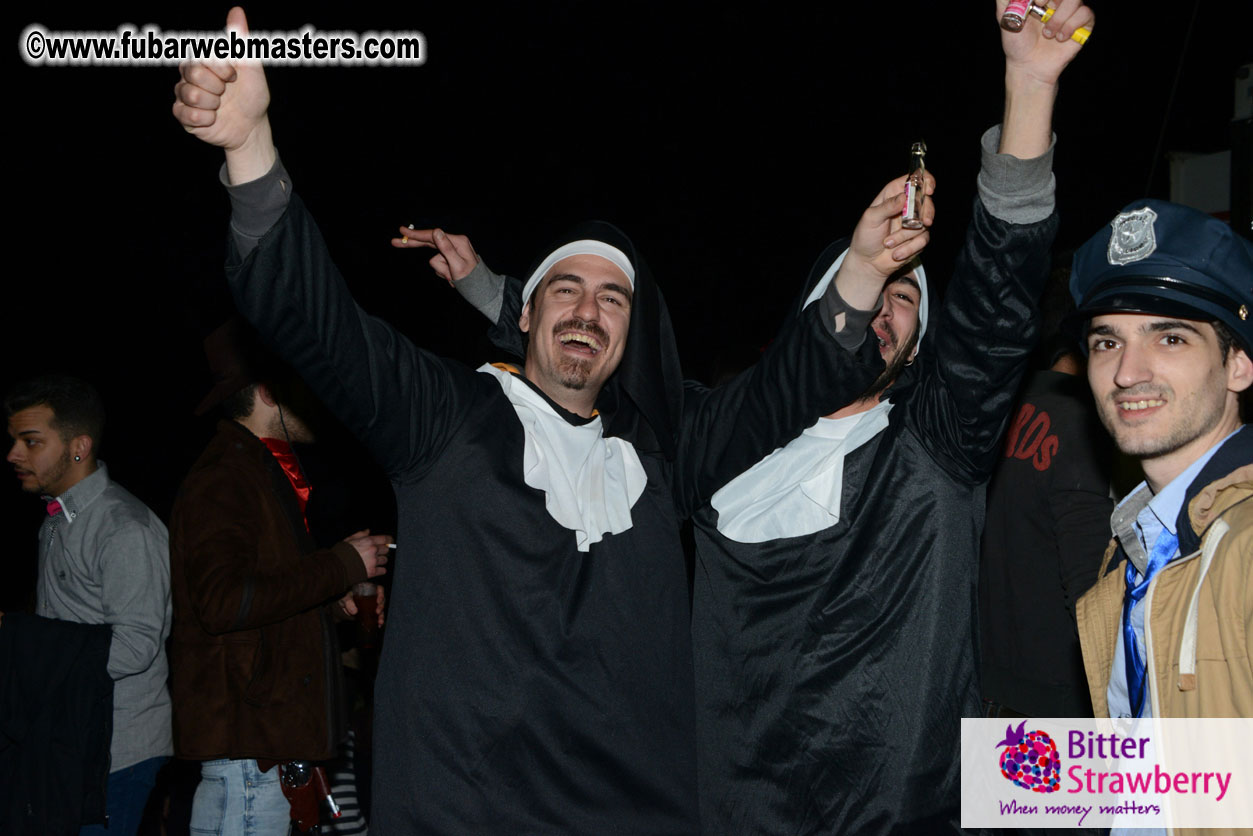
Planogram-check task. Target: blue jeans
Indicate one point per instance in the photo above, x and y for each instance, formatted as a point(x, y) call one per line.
point(128, 791)
point(236, 799)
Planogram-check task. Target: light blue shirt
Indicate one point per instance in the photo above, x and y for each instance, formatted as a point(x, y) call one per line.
point(1137, 522)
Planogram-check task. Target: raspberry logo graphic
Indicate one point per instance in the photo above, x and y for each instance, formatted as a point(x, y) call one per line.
point(1030, 759)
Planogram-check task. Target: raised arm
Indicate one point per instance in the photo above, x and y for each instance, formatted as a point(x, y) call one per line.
point(457, 263)
point(398, 400)
point(1035, 57)
point(818, 364)
point(981, 340)
point(227, 104)
point(880, 246)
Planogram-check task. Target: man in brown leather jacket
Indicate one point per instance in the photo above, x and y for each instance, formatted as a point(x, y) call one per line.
point(254, 657)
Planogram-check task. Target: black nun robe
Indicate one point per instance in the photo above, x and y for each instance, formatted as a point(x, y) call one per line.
point(527, 686)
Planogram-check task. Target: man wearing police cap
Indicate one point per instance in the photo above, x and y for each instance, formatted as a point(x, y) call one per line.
point(1163, 297)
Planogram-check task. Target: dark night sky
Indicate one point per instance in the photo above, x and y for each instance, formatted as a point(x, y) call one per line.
point(732, 142)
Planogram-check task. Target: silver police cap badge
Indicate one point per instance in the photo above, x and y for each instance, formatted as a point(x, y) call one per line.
point(1132, 238)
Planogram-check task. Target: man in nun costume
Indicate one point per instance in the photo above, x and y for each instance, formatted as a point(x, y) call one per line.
point(834, 598)
point(537, 676)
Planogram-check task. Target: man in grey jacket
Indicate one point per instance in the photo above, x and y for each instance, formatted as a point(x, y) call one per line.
point(103, 559)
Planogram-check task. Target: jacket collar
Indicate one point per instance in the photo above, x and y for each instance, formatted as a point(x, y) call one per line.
point(235, 434)
point(243, 436)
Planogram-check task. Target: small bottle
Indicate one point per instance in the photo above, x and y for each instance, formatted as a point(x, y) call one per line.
point(1015, 15)
point(915, 188)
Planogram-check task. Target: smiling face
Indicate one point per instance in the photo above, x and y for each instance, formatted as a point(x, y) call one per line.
point(1162, 388)
point(40, 457)
point(577, 322)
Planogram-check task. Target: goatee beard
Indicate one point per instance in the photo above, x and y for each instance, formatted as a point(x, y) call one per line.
point(902, 358)
point(574, 372)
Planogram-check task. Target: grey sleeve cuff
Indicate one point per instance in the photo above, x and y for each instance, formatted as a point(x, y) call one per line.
point(853, 323)
point(1014, 190)
point(257, 205)
point(483, 289)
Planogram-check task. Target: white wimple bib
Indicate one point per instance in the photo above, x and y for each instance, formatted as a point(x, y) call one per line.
point(796, 489)
point(590, 482)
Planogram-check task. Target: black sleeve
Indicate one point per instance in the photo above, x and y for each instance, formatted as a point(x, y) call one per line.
point(403, 403)
point(1079, 499)
point(975, 352)
point(803, 375)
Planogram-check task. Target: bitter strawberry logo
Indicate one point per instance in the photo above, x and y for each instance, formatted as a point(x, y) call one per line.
point(1030, 759)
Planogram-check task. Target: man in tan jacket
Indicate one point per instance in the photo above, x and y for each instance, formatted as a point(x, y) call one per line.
point(1164, 294)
